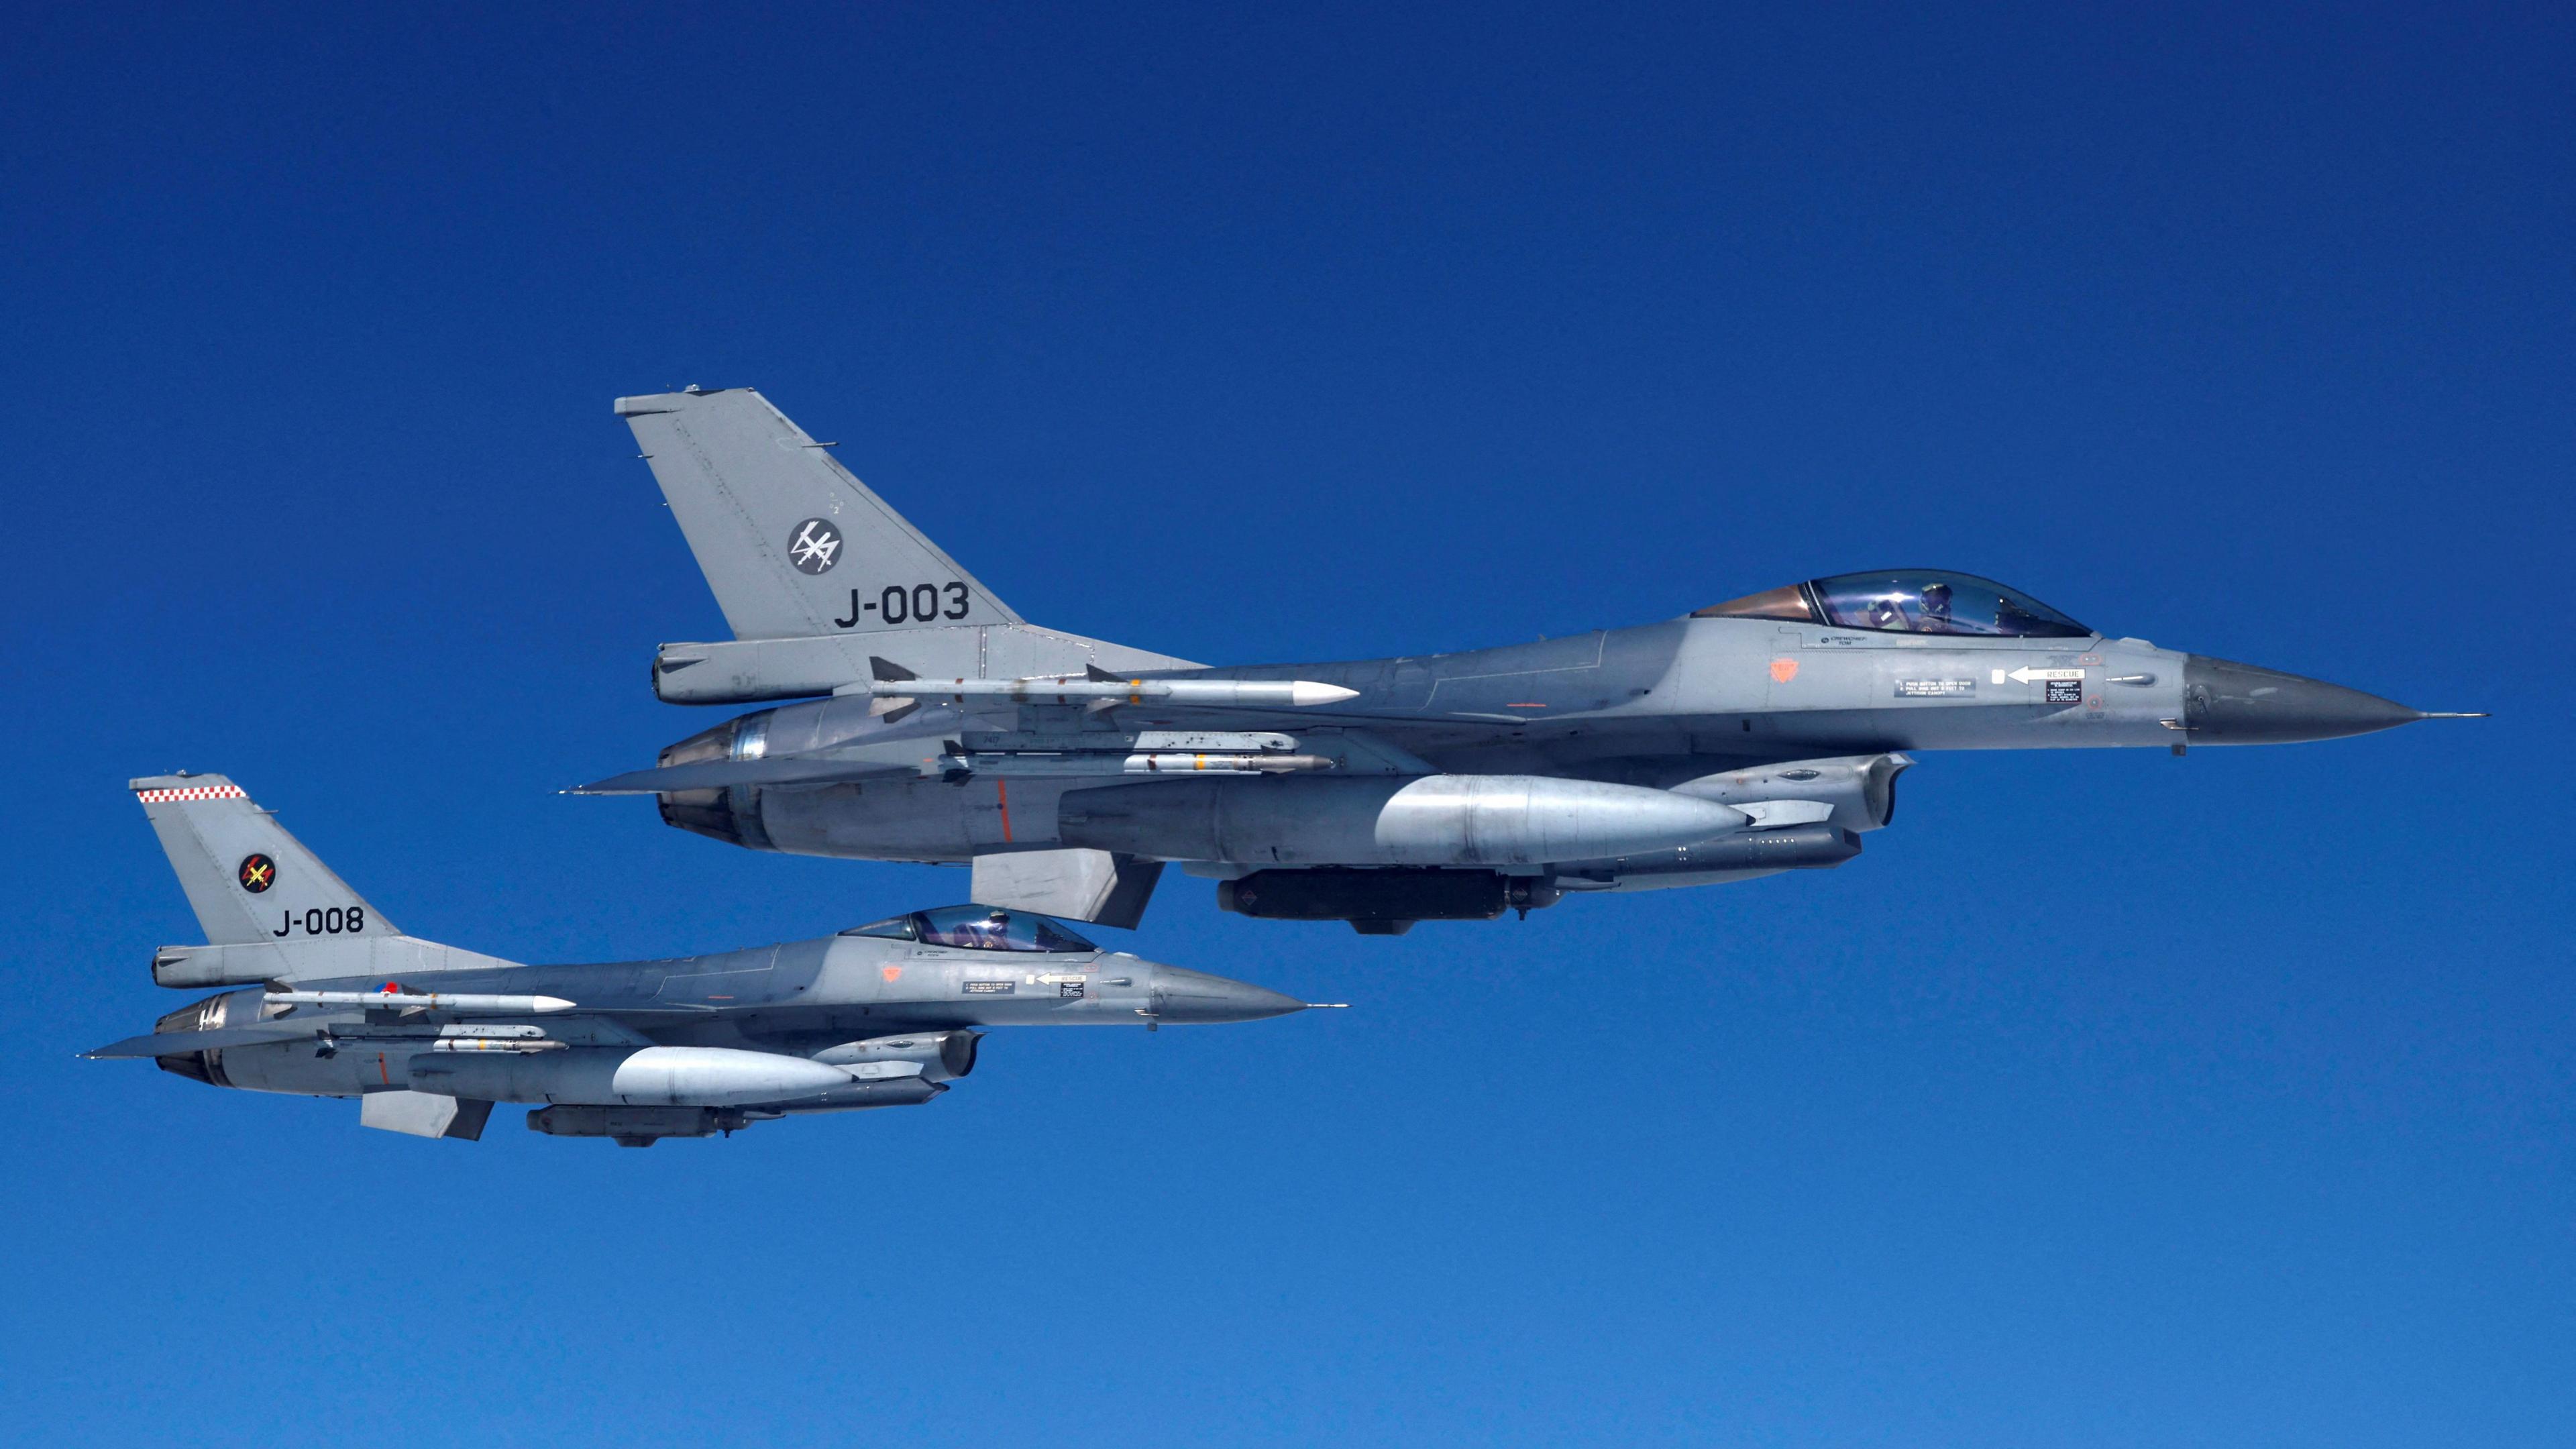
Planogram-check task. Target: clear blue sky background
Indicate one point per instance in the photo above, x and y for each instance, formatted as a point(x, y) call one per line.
point(2108, 1099)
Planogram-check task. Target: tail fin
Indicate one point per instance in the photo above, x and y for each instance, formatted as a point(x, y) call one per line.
point(793, 546)
point(243, 873)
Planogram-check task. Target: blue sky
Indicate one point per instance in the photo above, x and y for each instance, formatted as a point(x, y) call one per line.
point(2109, 1098)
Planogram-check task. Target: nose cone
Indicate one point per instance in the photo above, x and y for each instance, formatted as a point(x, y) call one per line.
point(2225, 703)
point(1195, 996)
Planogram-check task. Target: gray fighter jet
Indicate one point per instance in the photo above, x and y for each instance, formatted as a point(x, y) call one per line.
point(1754, 736)
point(335, 1002)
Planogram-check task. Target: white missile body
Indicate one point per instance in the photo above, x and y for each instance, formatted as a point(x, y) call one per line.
point(1075, 689)
point(423, 1001)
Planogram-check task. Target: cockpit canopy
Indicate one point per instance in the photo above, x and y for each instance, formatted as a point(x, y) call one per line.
point(977, 928)
point(1907, 601)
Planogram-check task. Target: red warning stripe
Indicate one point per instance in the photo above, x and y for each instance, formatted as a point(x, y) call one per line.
point(191, 792)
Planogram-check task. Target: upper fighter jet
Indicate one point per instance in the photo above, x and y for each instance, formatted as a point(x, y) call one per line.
point(335, 1002)
point(1757, 735)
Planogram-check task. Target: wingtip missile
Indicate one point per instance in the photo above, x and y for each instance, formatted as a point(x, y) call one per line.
point(1306, 693)
point(424, 1001)
point(1067, 689)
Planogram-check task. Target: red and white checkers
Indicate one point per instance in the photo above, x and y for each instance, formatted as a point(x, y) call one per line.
point(191, 792)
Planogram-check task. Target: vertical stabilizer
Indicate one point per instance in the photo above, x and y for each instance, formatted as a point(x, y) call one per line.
point(792, 544)
point(246, 878)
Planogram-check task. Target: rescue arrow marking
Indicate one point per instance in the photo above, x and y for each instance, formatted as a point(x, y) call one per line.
point(2027, 675)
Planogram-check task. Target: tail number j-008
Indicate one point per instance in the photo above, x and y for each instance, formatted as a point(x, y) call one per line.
point(322, 921)
point(906, 604)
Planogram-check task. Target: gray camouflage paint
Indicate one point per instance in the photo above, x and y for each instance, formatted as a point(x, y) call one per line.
point(860, 1013)
point(1696, 705)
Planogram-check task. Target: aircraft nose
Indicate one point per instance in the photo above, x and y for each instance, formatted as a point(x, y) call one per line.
point(2226, 703)
point(1195, 996)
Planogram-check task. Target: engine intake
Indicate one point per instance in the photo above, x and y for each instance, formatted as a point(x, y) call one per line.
point(1859, 789)
point(943, 1056)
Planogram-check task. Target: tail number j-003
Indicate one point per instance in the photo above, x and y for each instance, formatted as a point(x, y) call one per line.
point(906, 604)
point(322, 921)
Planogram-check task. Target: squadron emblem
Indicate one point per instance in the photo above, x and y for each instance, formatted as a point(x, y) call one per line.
point(257, 873)
point(814, 547)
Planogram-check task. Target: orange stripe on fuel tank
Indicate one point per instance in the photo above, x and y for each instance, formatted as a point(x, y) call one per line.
point(1002, 792)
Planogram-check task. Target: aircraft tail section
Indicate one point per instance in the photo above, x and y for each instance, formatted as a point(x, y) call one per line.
point(815, 573)
point(273, 912)
point(792, 544)
point(249, 881)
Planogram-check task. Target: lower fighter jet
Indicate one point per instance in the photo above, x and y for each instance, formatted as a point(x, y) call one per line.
point(335, 1002)
point(918, 718)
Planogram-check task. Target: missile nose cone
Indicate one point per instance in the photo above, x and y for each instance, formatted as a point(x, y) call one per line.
point(1195, 996)
point(1306, 694)
point(2226, 703)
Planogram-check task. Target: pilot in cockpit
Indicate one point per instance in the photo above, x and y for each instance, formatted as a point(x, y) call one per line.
point(1906, 601)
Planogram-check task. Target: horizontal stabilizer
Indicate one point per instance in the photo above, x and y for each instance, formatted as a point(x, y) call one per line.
point(721, 774)
point(810, 744)
point(180, 1043)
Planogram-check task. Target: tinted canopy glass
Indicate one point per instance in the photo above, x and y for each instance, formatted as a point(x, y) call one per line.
point(1908, 601)
point(990, 928)
point(897, 928)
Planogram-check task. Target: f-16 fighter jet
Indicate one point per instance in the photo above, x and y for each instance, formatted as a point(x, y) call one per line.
point(933, 724)
point(336, 1002)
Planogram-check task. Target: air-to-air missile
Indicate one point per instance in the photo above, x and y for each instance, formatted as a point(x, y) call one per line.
point(916, 717)
point(330, 1000)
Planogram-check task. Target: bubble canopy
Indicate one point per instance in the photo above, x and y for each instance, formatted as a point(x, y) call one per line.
point(1906, 601)
point(978, 928)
